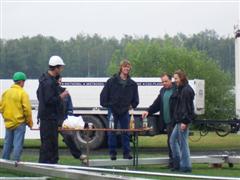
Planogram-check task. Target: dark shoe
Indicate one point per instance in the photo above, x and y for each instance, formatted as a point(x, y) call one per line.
point(175, 164)
point(113, 157)
point(175, 169)
point(127, 156)
point(169, 166)
point(185, 170)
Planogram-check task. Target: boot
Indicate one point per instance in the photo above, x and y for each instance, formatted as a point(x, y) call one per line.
point(127, 156)
point(176, 164)
point(170, 163)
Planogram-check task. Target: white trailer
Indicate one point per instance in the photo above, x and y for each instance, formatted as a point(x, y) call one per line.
point(85, 93)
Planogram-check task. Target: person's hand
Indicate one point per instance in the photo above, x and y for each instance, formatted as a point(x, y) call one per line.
point(64, 94)
point(130, 107)
point(183, 126)
point(144, 114)
point(30, 124)
point(70, 113)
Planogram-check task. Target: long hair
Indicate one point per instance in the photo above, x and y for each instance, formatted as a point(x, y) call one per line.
point(124, 63)
point(182, 76)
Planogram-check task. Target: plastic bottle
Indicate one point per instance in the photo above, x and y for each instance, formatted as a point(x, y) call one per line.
point(145, 122)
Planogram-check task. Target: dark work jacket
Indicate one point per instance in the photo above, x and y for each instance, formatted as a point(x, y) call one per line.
point(117, 97)
point(182, 106)
point(158, 106)
point(66, 107)
point(49, 107)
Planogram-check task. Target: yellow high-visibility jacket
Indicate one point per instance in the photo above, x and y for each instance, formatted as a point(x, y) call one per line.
point(15, 107)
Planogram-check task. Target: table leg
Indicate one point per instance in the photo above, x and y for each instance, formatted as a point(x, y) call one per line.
point(87, 139)
point(136, 146)
point(134, 149)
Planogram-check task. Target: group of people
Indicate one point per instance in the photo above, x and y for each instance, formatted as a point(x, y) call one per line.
point(174, 102)
point(119, 95)
point(55, 105)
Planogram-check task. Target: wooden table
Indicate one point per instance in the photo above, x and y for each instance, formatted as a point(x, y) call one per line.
point(134, 132)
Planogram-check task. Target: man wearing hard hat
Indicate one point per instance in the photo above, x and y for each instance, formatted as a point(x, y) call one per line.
point(16, 110)
point(49, 110)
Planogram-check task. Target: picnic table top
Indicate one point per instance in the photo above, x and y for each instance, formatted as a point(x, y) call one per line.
point(102, 129)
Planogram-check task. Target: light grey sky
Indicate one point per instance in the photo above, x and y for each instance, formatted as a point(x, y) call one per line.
point(64, 20)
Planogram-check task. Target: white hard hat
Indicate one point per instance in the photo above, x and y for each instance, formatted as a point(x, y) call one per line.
point(55, 61)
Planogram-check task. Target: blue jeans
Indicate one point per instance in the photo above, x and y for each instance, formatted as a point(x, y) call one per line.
point(13, 141)
point(180, 147)
point(112, 139)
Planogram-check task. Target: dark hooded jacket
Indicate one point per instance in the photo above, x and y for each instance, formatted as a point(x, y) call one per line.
point(157, 106)
point(182, 106)
point(118, 97)
point(50, 102)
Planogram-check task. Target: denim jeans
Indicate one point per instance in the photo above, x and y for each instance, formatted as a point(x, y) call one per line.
point(13, 142)
point(112, 139)
point(180, 147)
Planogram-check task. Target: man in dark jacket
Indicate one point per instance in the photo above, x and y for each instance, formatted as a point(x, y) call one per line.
point(120, 94)
point(183, 114)
point(67, 109)
point(162, 103)
point(49, 110)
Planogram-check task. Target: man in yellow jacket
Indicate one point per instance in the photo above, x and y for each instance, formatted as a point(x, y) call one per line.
point(16, 111)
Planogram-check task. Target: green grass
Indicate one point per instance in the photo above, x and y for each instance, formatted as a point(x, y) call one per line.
point(198, 169)
point(35, 143)
point(12, 173)
point(209, 142)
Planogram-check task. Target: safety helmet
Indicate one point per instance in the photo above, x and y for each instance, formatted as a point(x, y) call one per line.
point(19, 76)
point(56, 61)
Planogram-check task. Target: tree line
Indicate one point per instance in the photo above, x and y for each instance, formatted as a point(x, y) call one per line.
point(204, 55)
point(90, 56)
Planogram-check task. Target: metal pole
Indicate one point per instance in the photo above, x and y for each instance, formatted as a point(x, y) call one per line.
point(60, 171)
point(24, 178)
point(145, 173)
point(87, 138)
point(136, 149)
point(237, 69)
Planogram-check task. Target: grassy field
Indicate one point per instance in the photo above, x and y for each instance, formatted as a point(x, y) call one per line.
point(207, 143)
point(198, 169)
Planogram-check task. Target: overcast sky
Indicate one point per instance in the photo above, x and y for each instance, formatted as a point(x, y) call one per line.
point(64, 20)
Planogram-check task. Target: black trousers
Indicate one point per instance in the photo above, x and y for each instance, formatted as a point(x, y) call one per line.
point(169, 128)
point(68, 140)
point(49, 141)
